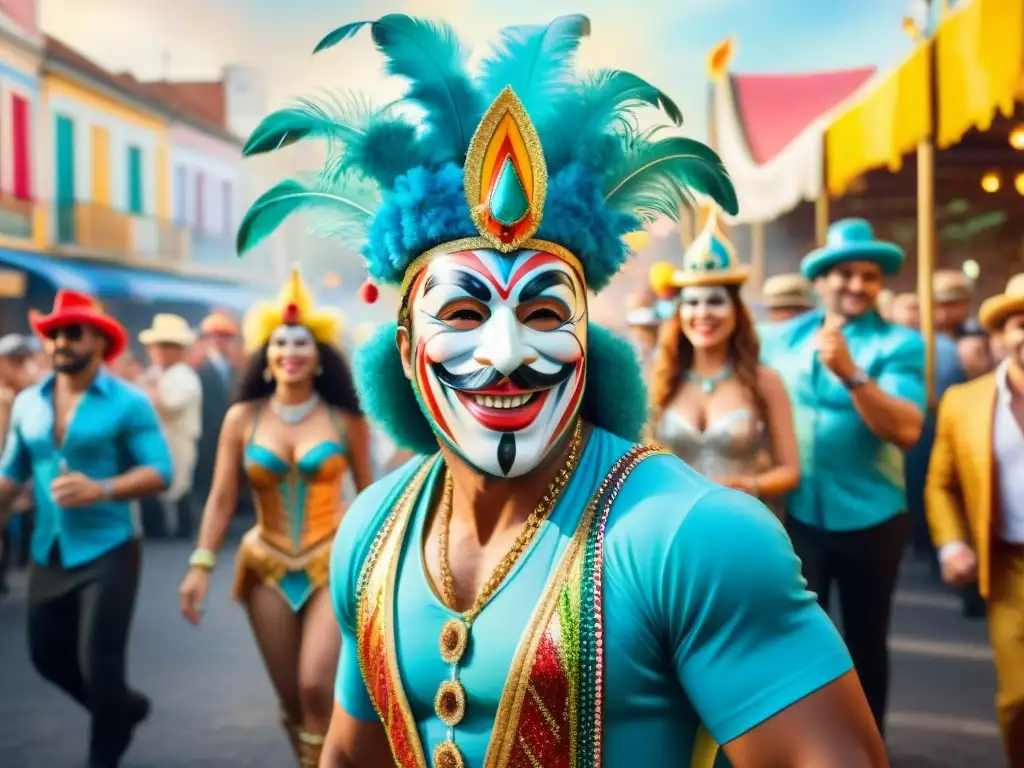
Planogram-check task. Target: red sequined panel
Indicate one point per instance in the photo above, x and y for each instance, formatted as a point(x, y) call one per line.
point(375, 662)
point(543, 734)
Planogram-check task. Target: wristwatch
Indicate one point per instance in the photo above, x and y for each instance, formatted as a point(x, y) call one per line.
point(856, 380)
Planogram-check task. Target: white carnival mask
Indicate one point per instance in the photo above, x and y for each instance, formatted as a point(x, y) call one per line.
point(499, 354)
point(292, 341)
point(708, 300)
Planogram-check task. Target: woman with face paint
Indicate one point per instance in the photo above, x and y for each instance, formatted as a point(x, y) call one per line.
point(713, 404)
point(296, 429)
point(491, 591)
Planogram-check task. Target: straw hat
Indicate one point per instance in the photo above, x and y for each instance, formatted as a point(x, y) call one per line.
point(951, 285)
point(710, 259)
point(788, 290)
point(168, 329)
point(995, 310)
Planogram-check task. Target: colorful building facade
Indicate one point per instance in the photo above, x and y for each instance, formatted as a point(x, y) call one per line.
point(205, 165)
point(105, 177)
point(20, 55)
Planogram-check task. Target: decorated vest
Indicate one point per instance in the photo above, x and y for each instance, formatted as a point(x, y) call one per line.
point(550, 712)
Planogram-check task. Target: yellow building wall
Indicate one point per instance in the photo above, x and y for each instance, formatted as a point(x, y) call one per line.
point(96, 214)
point(100, 144)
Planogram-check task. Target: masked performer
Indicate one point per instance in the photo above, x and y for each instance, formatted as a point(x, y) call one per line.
point(296, 428)
point(491, 592)
point(713, 404)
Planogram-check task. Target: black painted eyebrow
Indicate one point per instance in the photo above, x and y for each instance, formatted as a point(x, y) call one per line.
point(471, 284)
point(542, 282)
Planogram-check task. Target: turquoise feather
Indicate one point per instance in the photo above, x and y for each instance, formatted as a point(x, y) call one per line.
point(310, 119)
point(658, 178)
point(535, 60)
point(277, 204)
point(602, 102)
point(343, 32)
point(431, 58)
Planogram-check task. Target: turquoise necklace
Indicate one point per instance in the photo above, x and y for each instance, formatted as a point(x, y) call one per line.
point(708, 383)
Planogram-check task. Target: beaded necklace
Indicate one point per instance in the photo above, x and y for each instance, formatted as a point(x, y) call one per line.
point(450, 701)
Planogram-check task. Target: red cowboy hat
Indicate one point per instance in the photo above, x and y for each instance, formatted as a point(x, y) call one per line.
point(74, 308)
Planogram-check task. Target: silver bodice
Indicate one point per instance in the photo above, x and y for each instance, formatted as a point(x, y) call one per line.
point(733, 444)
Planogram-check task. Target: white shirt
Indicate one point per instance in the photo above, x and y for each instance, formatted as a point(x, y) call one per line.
point(181, 414)
point(1008, 452)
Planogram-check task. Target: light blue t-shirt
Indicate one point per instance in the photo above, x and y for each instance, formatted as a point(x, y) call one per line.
point(706, 618)
point(850, 479)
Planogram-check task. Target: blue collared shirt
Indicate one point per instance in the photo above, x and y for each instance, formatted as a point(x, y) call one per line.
point(114, 429)
point(850, 478)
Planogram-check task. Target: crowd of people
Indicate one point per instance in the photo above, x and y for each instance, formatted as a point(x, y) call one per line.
point(535, 583)
point(847, 443)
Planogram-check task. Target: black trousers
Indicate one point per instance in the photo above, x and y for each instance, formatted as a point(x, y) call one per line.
point(6, 556)
point(78, 624)
point(864, 565)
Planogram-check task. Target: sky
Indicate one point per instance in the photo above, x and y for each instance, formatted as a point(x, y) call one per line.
point(666, 42)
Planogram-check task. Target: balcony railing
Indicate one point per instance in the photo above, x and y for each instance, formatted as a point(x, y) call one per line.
point(16, 217)
point(98, 230)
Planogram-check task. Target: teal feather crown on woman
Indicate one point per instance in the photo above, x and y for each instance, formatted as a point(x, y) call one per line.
point(526, 152)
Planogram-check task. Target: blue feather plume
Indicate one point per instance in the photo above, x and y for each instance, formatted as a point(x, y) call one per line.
point(658, 178)
point(535, 60)
point(396, 182)
point(602, 102)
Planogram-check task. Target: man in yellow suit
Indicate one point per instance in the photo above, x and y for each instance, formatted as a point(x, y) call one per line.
point(975, 501)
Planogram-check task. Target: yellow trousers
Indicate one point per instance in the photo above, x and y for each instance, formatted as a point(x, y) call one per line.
point(1006, 632)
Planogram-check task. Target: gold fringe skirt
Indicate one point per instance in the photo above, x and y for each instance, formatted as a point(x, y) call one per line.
point(295, 577)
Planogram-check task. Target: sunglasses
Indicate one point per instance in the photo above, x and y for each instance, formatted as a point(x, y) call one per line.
point(69, 332)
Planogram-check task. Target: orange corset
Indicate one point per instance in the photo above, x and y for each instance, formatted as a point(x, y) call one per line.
point(297, 506)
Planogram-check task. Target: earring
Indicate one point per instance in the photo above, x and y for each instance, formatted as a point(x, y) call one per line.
point(319, 370)
point(267, 375)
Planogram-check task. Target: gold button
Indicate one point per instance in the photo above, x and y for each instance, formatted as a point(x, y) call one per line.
point(450, 703)
point(447, 755)
point(454, 640)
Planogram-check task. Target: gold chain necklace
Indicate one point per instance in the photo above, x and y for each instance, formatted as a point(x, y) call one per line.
point(450, 701)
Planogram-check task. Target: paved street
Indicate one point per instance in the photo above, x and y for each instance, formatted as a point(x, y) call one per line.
point(214, 707)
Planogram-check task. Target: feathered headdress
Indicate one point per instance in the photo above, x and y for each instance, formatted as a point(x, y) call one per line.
point(294, 306)
point(527, 154)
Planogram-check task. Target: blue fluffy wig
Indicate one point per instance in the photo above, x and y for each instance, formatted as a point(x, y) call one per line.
point(615, 398)
point(393, 183)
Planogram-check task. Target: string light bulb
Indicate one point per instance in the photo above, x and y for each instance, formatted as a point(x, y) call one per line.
point(1018, 182)
point(1017, 137)
point(991, 182)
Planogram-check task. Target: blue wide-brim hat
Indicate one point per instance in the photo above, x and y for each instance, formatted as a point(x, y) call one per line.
point(852, 240)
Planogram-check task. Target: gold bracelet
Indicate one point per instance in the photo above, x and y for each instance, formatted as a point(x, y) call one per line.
point(203, 558)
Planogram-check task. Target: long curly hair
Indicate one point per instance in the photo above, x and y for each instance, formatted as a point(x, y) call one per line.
point(334, 384)
point(673, 358)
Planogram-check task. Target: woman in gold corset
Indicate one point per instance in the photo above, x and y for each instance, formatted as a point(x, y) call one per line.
point(296, 430)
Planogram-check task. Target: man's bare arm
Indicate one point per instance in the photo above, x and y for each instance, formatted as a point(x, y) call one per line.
point(353, 743)
point(831, 727)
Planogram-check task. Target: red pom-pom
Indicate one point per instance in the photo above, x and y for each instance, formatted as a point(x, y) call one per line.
point(368, 292)
point(291, 314)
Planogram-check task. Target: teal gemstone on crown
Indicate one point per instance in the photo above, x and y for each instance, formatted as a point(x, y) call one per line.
point(508, 203)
